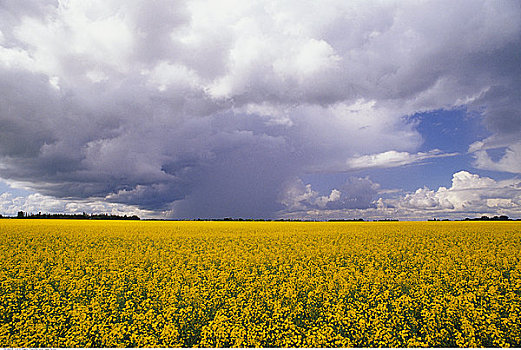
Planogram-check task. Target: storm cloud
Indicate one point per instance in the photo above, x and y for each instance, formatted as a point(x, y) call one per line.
point(207, 109)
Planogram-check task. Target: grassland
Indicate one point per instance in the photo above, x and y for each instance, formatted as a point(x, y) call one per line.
point(68, 283)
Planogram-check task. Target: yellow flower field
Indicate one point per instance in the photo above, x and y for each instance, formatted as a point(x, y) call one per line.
point(67, 283)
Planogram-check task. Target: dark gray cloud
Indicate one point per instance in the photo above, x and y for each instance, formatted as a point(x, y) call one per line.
point(207, 109)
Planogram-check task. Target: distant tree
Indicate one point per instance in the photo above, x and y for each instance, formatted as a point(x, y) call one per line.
point(20, 215)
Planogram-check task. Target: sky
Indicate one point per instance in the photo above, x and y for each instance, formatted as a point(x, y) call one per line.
point(261, 109)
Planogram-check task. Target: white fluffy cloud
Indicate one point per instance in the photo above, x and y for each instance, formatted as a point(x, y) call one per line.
point(469, 196)
point(390, 159)
point(205, 108)
point(510, 161)
point(355, 193)
point(469, 193)
point(35, 203)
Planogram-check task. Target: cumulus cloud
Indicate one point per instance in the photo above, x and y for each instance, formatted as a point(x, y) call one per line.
point(10, 205)
point(470, 195)
point(205, 108)
point(355, 193)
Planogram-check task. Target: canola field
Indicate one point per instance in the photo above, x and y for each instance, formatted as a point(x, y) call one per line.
point(67, 283)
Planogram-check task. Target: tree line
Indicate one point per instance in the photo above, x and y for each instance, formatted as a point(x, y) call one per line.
point(85, 216)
